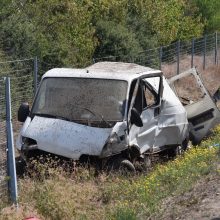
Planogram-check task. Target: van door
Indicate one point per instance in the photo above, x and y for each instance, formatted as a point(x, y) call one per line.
point(147, 103)
point(202, 111)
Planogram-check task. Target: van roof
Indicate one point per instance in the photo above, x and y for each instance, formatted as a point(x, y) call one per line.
point(105, 70)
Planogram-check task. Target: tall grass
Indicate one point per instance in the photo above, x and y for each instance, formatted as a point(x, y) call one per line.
point(144, 195)
point(49, 192)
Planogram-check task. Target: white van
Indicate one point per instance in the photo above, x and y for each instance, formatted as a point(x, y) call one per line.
point(112, 112)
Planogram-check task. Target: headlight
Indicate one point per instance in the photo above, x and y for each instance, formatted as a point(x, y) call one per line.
point(28, 144)
point(113, 139)
point(114, 145)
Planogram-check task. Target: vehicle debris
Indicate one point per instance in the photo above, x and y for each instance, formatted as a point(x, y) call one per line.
point(202, 111)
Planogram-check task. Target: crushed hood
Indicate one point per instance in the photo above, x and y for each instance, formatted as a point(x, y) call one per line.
point(65, 138)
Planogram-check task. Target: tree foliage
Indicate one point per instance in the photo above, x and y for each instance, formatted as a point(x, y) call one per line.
point(210, 12)
point(72, 32)
point(58, 32)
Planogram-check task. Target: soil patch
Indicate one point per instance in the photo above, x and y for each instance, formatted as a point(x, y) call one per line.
point(201, 202)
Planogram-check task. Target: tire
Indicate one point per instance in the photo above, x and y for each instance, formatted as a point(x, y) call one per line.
point(185, 144)
point(179, 150)
point(173, 152)
point(20, 166)
point(121, 165)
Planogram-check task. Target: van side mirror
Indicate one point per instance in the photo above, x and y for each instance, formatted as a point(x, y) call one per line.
point(23, 112)
point(136, 118)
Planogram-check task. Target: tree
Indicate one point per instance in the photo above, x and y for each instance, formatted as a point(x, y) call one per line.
point(167, 20)
point(210, 12)
point(58, 32)
point(71, 32)
point(116, 40)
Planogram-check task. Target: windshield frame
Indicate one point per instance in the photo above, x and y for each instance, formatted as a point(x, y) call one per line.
point(55, 77)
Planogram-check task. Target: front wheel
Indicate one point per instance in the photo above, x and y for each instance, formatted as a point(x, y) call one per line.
point(122, 165)
point(178, 150)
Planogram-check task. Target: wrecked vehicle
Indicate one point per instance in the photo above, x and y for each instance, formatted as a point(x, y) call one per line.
point(115, 113)
point(202, 109)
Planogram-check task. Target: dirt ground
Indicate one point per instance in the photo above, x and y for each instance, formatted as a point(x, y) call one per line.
point(202, 202)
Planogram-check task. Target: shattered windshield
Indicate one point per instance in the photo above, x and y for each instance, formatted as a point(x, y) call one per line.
point(81, 99)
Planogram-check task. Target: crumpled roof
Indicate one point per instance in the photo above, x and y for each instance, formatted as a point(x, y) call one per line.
point(119, 67)
point(105, 70)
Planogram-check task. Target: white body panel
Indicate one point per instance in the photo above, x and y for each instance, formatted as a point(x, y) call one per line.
point(65, 138)
point(169, 127)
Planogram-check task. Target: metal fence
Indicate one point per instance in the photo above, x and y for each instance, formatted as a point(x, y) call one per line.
point(19, 78)
point(177, 57)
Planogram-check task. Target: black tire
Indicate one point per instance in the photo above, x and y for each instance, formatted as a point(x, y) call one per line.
point(122, 165)
point(20, 166)
point(173, 152)
point(185, 144)
point(178, 150)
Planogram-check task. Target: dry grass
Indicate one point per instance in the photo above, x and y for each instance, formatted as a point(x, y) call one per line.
point(210, 76)
point(58, 195)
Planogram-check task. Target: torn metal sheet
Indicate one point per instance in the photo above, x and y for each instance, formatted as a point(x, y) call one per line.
point(202, 112)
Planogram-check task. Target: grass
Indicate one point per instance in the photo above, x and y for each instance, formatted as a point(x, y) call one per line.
point(53, 193)
point(144, 195)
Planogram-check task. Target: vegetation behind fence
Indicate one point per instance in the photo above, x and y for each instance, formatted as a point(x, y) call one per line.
point(177, 57)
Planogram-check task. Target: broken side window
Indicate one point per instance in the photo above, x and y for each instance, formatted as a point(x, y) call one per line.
point(151, 91)
point(131, 92)
point(150, 98)
point(138, 104)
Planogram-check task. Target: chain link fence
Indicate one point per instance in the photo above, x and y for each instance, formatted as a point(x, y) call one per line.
point(21, 73)
point(22, 81)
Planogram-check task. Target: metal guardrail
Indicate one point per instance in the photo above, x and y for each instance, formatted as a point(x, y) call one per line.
point(18, 83)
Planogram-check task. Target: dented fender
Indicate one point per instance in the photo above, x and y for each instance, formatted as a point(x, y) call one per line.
point(70, 139)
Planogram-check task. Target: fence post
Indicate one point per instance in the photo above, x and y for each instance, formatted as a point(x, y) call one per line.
point(10, 146)
point(35, 74)
point(160, 57)
point(178, 56)
point(192, 51)
point(216, 48)
point(204, 53)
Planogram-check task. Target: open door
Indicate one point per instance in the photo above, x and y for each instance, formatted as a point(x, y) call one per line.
point(202, 112)
point(146, 100)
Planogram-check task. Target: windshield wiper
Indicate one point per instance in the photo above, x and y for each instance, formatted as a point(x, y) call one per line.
point(100, 116)
point(67, 119)
point(43, 115)
point(93, 113)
